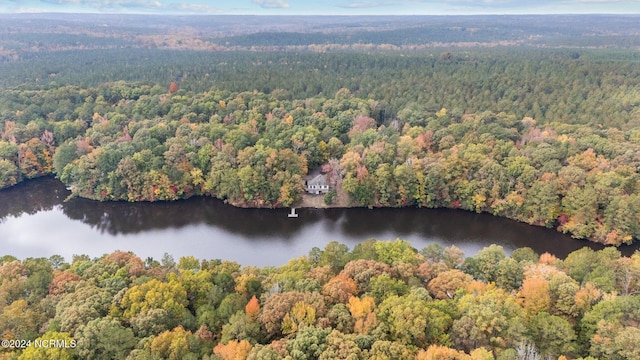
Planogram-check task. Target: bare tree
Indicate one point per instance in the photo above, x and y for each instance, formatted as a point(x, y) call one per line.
point(527, 351)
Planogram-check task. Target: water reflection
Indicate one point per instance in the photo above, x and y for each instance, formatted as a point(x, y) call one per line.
point(34, 220)
point(130, 218)
point(31, 197)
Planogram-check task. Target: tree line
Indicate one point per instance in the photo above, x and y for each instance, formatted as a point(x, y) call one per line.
point(596, 87)
point(381, 300)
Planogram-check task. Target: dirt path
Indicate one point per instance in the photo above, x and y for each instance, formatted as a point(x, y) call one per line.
point(317, 201)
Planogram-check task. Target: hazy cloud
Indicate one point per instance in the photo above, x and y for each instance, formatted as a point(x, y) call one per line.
point(65, 2)
point(193, 8)
point(151, 5)
point(510, 3)
point(373, 4)
point(462, 3)
point(352, 7)
point(109, 4)
point(633, 2)
point(272, 4)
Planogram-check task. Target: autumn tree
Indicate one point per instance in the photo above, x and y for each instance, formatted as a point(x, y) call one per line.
point(233, 350)
point(446, 284)
point(63, 281)
point(338, 317)
point(535, 296)
point(553, 335)
point(8, 173)
point(88, 302)
point(361, 271)
point(104, 338)
point(150, 322)
point(627, 271)
point(173, 87)
point(19, 320)
point(64, 352)
point(339, 289)
point(175, 344)
point(301, 315)
point(438, 352)
point(253, 308)
point(277, 306)
point(492, 319)
point(335, 255)
point(241, 326)
point(484, 266)
point(154, 294)
point(340, 346)
point(363, 312)
point(389, 350)
point(411, 320)
point(384, 285)
point(610, 327)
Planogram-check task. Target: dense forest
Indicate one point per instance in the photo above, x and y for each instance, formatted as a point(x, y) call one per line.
point(531, 118)
point(493, 116)
point(137, 142)
point(596, 87)
point(381, 300)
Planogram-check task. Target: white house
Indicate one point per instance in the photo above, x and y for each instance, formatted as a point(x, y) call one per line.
point(317, 185)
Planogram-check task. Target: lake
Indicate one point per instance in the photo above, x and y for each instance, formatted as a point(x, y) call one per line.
point(35, 221)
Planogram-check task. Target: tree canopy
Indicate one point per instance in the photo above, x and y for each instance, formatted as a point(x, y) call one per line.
point(117, 306)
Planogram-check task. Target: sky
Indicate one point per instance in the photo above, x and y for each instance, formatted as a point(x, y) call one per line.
point(325, 7)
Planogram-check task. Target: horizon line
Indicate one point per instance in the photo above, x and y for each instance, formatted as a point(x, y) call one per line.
point(309, 15)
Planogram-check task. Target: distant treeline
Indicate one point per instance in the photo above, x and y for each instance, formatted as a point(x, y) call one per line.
point(38, 32)
point(599, 88)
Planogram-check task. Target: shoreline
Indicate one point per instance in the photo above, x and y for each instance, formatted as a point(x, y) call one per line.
point(308, 201)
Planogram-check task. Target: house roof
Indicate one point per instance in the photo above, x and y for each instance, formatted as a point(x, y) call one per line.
point(318, 180)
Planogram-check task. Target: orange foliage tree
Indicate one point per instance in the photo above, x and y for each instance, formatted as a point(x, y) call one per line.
point(233, 350)
point(252, 309)
point(535, 296)
point(173, 87)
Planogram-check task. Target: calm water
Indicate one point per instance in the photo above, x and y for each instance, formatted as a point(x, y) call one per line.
point(35, 221)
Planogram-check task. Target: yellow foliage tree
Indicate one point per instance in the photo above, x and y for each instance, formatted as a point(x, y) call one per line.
point(233, 350)
point(534, 295)
point(436, 352)
point(172, 345)
point(64, 349)
point(154, 294)
point(301, 314)
point(587, 296)
point(362, 311)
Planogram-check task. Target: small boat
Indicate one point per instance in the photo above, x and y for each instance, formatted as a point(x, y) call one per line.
point(293, 213)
